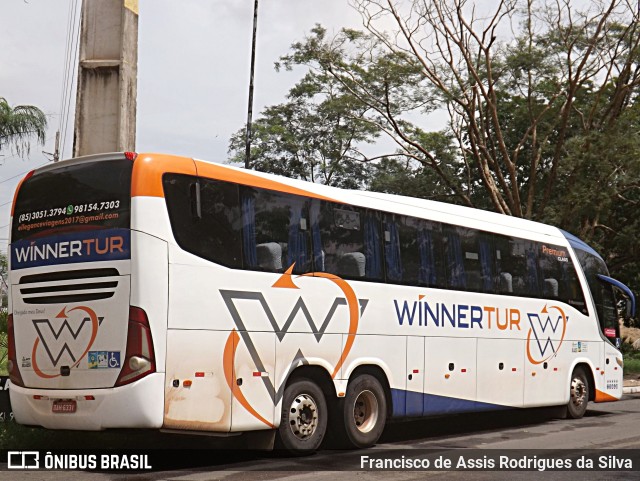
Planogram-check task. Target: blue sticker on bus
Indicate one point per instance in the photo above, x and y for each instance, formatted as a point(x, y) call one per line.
point(73, 247)
point(104, 359)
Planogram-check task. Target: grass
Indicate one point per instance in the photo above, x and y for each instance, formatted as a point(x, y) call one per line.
point(631, 359)
point(3, 354)
point(631, 365)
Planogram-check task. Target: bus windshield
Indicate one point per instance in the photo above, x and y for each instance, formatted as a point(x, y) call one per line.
point(602, 292)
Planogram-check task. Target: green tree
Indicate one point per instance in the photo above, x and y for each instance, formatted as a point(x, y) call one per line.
point(315, 135)
point(598, 193)
point(306, 140)
point(404, 175)
point(382, 90)
point(541, 123)
point(512, 103)
point(20, 125)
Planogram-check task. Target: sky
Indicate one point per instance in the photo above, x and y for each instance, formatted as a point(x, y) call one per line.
point(193, 71)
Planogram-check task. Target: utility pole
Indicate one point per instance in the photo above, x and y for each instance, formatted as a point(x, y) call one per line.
point(107, 77)
point(247, 152)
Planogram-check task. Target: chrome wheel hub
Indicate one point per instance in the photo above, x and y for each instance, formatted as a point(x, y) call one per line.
point(365, 411)
point(578, 392)
point(303, 416)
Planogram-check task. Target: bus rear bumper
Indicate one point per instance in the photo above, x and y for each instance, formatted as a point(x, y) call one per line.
point(137, 405)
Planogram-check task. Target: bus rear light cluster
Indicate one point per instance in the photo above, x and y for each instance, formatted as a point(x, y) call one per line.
point(139, 360)
point(12, 362)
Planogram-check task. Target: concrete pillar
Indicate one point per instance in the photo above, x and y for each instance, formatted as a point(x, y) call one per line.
point(107, 77)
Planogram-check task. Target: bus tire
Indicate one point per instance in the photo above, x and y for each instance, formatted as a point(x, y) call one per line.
point(364, 411)
point(304, 417)
point(579, 394)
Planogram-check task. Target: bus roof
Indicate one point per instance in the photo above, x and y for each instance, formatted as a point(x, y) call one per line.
point(151, 166)
point(418, 207)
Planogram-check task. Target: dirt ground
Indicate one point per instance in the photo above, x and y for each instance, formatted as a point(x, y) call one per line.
point(629, 334)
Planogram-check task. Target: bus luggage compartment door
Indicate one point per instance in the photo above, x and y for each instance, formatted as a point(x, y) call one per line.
point(197, 396)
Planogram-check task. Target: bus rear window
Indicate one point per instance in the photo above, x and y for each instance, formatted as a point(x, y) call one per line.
point(84, 195)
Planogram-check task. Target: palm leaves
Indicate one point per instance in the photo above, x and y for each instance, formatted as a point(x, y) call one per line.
point(19, 125)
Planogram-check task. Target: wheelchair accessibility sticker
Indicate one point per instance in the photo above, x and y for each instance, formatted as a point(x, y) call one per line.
point(104, 359)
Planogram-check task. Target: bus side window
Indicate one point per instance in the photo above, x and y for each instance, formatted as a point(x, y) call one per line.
point(347, 241)
point(216, 235)
point(454, 257)
point(517, 266)
point(394, 255)
point(504, 274)
point(573, 294)
point(559, 274)
point(412, 251)
point(373, 246)
point(275, 234)
point(478, 260)
point(340, 232)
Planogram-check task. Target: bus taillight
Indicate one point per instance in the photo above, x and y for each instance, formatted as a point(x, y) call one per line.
point(139, 359)
point(130, 155)
point(12, 363)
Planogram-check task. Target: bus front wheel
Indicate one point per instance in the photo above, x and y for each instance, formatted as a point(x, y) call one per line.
point(579, 397)
point(364, 411)
point(304, 417)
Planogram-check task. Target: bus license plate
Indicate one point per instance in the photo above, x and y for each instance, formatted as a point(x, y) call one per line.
point(66, 406)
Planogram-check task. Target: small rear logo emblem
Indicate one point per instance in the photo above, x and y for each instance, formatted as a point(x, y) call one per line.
point(71, 336)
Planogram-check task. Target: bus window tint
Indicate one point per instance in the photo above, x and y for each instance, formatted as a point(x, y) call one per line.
point(264, 230)
point(96, 194)
point(518, 267)
point(217, 235)
point(347, 241)
point(558, 275)
point(571, 291)
point(470, 244)
point(373, 246)
point(342, 243)
point(454, 257)
point(275, 231)
point(602, 293)
point(488, 258)
point(504, 265)
point(411, 251)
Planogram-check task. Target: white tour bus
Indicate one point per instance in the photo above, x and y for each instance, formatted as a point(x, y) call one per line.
point(154, 291)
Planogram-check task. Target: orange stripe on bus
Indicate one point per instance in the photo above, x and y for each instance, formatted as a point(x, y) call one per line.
point(228, 360)
point(146, 178)
point(354, 314)
point(34, 362)
point(15, 194)
point(148, 170)
point(220, 172)
point(603, 397)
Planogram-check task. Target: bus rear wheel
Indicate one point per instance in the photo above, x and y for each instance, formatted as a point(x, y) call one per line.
point(364, 412)
point(579, 397)
point(304, 417)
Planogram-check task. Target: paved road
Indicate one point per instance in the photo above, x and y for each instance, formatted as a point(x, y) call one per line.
point(614, 426)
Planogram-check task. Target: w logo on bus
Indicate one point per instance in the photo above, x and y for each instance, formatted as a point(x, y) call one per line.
point(546, 333)
point(355, 308)
point(70, 334)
